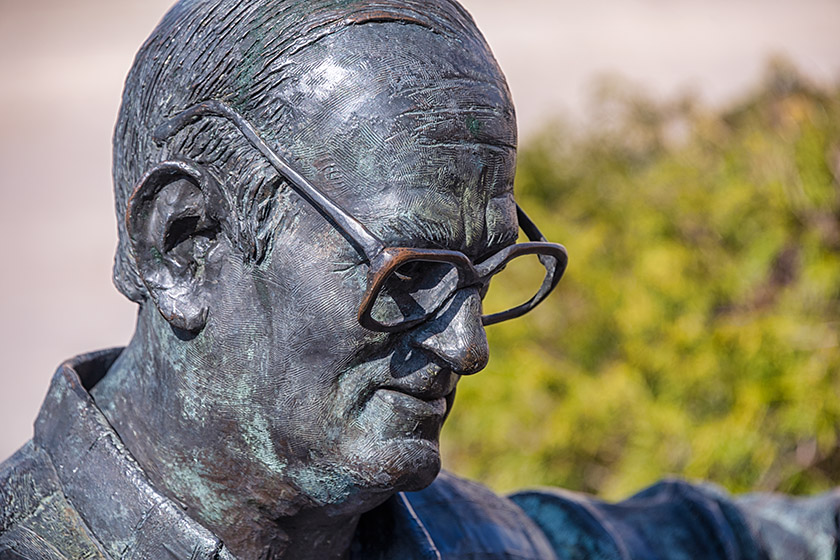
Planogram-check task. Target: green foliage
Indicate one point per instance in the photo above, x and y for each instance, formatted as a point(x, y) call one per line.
point(696, 331)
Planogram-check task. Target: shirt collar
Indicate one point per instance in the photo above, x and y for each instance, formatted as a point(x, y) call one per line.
point(130, 518)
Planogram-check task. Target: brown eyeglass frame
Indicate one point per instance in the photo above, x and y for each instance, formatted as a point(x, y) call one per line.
point(382, 260)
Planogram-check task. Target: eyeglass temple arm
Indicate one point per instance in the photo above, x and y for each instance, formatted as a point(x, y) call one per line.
point(528, 226)
point(552, 265)
point(366, 241)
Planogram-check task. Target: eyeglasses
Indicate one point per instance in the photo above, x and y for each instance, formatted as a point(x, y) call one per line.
point(405, 285)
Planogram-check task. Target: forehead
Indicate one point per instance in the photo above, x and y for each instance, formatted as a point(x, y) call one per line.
point(412, 132)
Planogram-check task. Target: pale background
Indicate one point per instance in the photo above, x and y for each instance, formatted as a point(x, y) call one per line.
point(62, 64)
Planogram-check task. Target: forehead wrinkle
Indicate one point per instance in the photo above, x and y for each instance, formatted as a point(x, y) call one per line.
point(367, 165)
point(469, 127)
point(475, 94)
point(448, 80)
point(460, 119)
point(444, 132)
point(431, 199)
point(475, 88)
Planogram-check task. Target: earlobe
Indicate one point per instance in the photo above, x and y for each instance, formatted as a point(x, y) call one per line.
point(173, 221)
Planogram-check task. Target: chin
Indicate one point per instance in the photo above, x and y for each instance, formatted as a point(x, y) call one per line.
point(359, 481)
point(395, 445)
point(416, 465)
point(396, 464)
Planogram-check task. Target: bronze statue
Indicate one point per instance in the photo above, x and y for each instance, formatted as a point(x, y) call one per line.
point(313, 198)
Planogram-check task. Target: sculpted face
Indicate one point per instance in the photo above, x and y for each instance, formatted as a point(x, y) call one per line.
point(418, 145)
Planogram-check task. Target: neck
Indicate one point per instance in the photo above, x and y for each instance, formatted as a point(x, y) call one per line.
point(258, 514)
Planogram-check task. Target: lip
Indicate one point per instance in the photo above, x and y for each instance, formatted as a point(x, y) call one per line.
point(439, 389)
point(433, 406)
point(428, 384)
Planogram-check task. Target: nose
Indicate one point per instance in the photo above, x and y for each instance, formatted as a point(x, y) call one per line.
point(456, 335)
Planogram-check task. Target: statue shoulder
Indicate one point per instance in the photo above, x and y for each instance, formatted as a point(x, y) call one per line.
point(468, 520)
point(671, 519)
point(794, 527)
point(36, 520)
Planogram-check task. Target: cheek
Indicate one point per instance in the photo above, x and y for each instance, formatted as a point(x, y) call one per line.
point(305, 287)
point(322, 326)
point(313, 321)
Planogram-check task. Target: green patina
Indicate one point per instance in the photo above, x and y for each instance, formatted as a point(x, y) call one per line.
point(327, 486)
point(474, 126)
point(211, 493)
point(254, 46)
point(156, 254)
point(258, 436)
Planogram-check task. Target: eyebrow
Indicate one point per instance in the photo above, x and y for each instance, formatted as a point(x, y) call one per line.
point(438, 234)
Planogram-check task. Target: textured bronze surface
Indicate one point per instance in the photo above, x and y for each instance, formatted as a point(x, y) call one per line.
point(312, 198)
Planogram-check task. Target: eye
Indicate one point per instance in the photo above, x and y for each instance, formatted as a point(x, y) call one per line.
point(410, 271)
point(413, 291)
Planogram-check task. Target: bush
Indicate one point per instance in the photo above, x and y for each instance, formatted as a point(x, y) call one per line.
point(696, 331)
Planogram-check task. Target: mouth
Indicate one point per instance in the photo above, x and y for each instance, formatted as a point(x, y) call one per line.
point(417, 405)
point(428, 394)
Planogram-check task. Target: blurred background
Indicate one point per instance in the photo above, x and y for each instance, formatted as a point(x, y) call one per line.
point(686, 153)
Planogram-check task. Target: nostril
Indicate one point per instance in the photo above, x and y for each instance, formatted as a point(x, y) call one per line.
point(477, 360)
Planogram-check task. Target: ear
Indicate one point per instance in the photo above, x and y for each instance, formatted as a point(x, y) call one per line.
point(173, 221)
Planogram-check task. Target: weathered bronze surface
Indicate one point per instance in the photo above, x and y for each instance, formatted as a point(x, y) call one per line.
point(313, 198)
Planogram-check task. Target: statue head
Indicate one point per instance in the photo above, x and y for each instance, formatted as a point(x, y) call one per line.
point(312, 199)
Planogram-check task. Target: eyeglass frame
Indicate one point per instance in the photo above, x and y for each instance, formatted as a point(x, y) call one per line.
point(383, 260)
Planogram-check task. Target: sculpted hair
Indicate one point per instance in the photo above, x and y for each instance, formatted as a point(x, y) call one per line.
point(241, 52)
